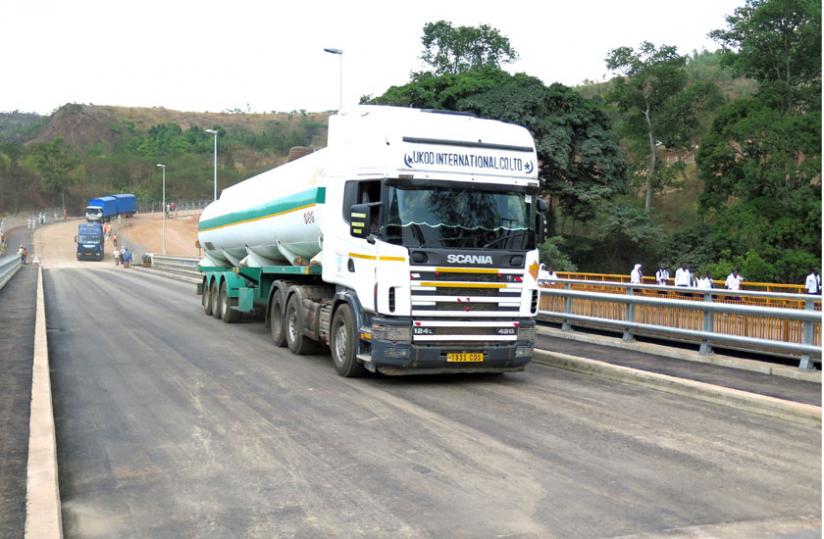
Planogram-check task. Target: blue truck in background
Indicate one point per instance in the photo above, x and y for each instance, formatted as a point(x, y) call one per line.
point(126, 204)
point(89, 241)
point(102, 209)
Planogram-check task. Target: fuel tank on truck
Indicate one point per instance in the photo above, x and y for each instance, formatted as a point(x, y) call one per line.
point(270, 219)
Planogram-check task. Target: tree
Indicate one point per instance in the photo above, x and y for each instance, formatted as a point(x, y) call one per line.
point(657, 106)
point(778, 43)
point(11, 173)
point(580, 160)
point(56, 162)
point(461, 49)
point(761, 159)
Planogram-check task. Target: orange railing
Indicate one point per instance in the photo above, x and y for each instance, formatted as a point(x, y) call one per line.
point(757, 327)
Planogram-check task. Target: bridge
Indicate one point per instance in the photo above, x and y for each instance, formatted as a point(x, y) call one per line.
point(171, 423)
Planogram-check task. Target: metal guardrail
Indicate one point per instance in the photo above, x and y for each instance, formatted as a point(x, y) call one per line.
point(183, 265)
point(8, 267)
point(632, 312)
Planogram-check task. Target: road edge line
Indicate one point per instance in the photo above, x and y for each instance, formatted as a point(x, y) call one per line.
point(43, 513)
point(796, 412)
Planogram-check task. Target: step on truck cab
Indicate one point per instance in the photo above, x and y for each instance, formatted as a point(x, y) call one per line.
point(407, 245)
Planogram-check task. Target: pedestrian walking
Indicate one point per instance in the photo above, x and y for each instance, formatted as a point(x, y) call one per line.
point(21, 251)
point(635, 276)
point(705, 282)
point(734, 280)
point(114, 239)
point(813, 282)
point(683, 276)
point(662, 275)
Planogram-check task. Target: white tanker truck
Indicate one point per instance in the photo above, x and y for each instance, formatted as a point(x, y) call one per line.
point(407, 245)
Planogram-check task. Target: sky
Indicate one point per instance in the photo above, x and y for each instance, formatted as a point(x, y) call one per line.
point(266, 56)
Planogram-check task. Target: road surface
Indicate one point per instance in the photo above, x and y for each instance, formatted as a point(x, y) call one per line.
point(171, 423)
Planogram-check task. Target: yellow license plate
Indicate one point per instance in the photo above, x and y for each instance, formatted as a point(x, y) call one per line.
point(464, 357)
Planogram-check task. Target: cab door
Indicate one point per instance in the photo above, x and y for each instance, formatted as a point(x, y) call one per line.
point(357, 257)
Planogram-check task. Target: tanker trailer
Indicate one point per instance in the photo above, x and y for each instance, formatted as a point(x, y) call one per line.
point(408, 245)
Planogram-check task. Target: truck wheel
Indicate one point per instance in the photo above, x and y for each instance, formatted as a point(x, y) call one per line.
point(228, 315)
point(206, 298)
point(342, 342)
point(276, 326)
point(293, 325)
point(214, 292)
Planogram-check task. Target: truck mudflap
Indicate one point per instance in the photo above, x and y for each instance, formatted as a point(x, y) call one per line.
point(396, 357)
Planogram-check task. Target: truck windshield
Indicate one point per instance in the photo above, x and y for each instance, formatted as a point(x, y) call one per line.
point(457, 217)
point(88, 238)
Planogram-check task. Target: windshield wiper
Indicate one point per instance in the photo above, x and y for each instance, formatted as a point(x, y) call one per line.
point(418, 233)
point(504, 237)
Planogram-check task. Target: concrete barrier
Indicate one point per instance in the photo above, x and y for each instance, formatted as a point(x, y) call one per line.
point(742, 400)
point(43, 513)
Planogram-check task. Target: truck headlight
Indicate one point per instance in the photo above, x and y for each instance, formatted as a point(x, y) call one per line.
point(385, 332)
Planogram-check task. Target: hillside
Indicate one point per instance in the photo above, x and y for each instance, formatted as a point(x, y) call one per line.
point(82, 151)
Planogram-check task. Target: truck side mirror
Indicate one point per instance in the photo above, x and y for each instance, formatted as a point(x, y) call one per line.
point(540, 218)
point(360, 220)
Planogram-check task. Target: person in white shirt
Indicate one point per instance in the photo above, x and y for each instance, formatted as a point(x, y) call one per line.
point(734, 280)
point(662, 276)
point(635, 275)
point(546, 276)
point(813, 282)
point(705, 282)
point(682, 276)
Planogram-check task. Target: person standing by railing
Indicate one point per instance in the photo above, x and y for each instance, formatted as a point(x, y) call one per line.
point(734, 280)
point(705, 282)
point(813, 282)
point(635, 276)
point(682, 276)
point(662, 276)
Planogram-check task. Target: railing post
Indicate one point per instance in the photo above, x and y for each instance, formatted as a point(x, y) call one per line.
point(629, 318)
point(566, 326)
point(706, 347)
point(807, 363)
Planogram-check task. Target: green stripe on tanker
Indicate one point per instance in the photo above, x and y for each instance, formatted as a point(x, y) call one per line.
point(287, 204)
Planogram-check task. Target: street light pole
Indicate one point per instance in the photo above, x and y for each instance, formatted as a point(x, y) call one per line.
point(163, 208)
point(339, 52)
point(214, 132)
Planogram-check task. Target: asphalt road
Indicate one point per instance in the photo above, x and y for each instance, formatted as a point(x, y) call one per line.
point(173, 424)
point(17, 312)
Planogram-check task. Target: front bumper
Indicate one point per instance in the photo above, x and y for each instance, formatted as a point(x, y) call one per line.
point(406, 357)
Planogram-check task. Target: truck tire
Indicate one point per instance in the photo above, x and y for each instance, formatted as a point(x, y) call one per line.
point(293, 322)
point(214, 291)
point(276, 325)
point(342, 337)
point(206, 298)
point(228, 315)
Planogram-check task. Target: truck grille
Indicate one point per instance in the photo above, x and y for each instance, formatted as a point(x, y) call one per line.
point(465, 306)
point(475, 292)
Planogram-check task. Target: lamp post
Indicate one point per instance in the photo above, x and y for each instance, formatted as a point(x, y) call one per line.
point(214, 132)
point(163, 208)
point(339, 52)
